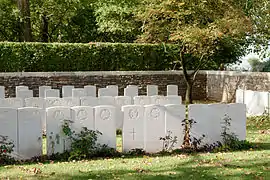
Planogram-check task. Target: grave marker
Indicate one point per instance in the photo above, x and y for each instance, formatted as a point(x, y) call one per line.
point(52, 93)
point(29, 132)
point(105, 123)
point(172, 90)
point(152, 90)
point(121, 101)
point(82, 116)
point(154, 117)
point(78, 93)
point(174, 116)
point(142, 100)
point(90, 90)
point(57, 142)
point(67, 91)
point(133, 127)
point(11, 102)
point(8, 126)
point(89, 101)
point(2, 92)
point(42, 90)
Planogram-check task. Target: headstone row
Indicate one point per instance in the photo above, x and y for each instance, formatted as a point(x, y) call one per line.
point(88, 101)
point(89, 90)
point(143, 126)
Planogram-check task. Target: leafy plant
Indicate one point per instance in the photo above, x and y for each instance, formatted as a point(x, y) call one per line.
point(40, 57)
point(84, 144)
point(230, 141)
point(168, 142)
point(6, 147)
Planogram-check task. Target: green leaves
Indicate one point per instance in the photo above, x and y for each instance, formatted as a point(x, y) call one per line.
point(34, 57)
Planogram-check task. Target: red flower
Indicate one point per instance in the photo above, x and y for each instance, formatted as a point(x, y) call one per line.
point(4, 150)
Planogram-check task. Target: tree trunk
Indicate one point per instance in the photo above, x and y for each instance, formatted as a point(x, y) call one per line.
point(44, 29)
point(24, 7)
point(188, 98)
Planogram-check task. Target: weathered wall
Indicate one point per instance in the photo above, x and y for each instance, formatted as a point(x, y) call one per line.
point(222, 85)
point(101, 79)
point(212, 85)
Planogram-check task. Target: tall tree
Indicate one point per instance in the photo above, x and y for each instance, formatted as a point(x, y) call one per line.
point(26, 29)
point(204, 30)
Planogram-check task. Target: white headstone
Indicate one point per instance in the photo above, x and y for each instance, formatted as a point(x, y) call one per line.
point(133, 127)
point(90, 90)
point(131, 91)
point(57, 141)
point(52, 102)
point(38, 103)
point(18, 88)
point(70, 101)
point(42, 90)
point(67, 91)
point(159, 100)
point(52, 93)
point(2, 92)
point(119, 102)
point(67, 101)
point(239, 96)
point(174, 117)
point(173, 99)
point(256, 102)
point(89, 101)
point(106, 92)
point(208, 121)
point(154, 117)
point(30, 132)
point(172, 90)
point(199, 113)
point(216, 114)
point(8, 126)
point(78, 93)
point(114, 89)
point(142, 100)
point(11, 102)
point(24, 94)
point(105, 123)
point(106, 100)
point(237, 113)
point(152, 90)
point(82, 116)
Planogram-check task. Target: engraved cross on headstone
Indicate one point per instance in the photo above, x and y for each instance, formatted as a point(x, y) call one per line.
point(133, 133)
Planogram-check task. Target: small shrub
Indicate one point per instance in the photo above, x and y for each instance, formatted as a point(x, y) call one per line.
point(168, 142)
point(84, 144)
point(6, 148)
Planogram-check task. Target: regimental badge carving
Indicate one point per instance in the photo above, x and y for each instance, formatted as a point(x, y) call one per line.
point(155, 112)
point(157, 101)
point(141, 101)
point(82, 115)
point(59, 115)
point(133, 113)
point(105, 114)
point(36, 113)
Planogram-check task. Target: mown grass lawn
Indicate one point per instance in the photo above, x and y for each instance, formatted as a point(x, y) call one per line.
point(252, 164)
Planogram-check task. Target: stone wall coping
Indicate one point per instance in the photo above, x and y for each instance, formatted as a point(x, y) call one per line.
point(125, 73)
point(87, 73)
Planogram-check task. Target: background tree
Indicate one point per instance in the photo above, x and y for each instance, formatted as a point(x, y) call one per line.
point(9, 21)
point(116, 20)
point(204, 30)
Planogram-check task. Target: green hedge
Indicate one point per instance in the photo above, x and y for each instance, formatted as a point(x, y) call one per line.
point(33, 57)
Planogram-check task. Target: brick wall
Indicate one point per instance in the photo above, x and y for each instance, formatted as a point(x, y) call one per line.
point(101, 79)
point(212, 85)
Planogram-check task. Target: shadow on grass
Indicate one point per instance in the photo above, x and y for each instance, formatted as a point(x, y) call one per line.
point(195, 168)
